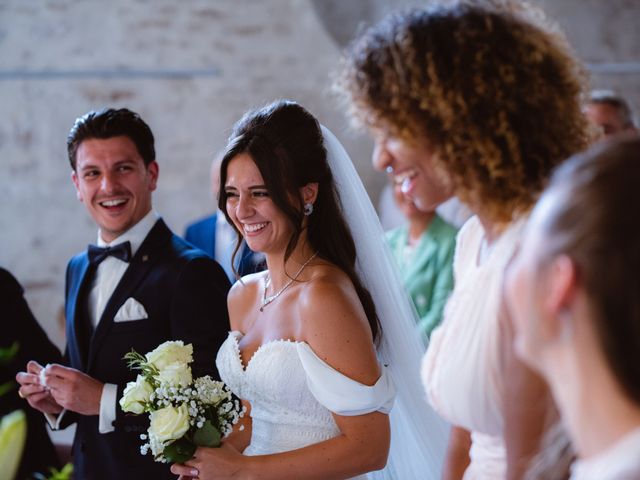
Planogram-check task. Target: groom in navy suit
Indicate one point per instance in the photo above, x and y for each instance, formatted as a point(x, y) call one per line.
point(138, 287)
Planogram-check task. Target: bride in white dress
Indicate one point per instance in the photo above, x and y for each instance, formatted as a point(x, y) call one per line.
point(302, 351)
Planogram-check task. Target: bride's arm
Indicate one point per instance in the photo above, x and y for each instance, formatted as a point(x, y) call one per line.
point(362, 447)
point(339, 334)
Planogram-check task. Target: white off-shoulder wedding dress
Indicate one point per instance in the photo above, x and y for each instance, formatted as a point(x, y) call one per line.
point(293, 392)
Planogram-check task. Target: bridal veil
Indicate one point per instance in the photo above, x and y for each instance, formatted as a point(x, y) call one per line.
point(418, 435)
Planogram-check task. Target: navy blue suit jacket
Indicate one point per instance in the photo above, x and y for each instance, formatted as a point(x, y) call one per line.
point(184, 294)
point(202, 234)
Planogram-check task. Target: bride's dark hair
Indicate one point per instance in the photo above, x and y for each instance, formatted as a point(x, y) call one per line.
point(286, 144)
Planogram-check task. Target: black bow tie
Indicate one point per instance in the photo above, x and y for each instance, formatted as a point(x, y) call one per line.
point(98, 254)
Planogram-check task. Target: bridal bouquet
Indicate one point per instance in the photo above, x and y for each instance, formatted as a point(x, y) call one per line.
point(184, 413)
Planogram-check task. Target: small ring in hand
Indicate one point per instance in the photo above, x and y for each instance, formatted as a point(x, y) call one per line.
point(21, 395)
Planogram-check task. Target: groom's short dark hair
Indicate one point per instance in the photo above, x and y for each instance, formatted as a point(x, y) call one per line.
point(108, 123)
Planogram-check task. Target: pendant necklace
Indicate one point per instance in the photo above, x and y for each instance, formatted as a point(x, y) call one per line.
point(266, 300)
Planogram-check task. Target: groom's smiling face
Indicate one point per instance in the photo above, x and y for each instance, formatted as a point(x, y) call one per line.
point(113, 182)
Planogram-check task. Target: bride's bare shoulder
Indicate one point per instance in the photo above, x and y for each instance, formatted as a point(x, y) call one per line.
point(247, 286)
point(327, 278)
point(329, 302)
point(335, 325)
point(244, 296)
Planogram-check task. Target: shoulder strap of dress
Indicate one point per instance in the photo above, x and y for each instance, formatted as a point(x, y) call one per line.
point(341, 394)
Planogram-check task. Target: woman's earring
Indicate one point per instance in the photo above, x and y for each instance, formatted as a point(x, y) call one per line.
point(308, 209)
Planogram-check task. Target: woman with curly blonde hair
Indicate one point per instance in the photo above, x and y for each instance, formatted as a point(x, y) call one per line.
point(480, 100)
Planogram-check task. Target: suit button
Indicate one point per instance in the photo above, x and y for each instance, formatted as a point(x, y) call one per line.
point(127, 428)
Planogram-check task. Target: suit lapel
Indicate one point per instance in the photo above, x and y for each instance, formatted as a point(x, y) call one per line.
point(77, 306)
point(142, 262)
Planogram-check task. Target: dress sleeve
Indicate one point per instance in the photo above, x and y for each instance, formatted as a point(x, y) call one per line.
point(342, 395)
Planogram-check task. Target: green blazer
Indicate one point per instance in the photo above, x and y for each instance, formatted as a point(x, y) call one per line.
point(427, 271)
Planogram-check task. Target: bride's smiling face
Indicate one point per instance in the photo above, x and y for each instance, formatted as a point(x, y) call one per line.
point(264, 226)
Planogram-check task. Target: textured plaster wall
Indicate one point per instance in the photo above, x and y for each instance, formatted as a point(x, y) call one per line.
point(604, 34)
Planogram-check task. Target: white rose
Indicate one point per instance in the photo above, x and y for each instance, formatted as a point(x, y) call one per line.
point(173, 351)
point(169, 423)
point(135, 395)
point(176, 375)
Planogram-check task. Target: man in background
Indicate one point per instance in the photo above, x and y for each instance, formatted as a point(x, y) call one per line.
point(22, 334)
point(610, 112)
point(217, 238)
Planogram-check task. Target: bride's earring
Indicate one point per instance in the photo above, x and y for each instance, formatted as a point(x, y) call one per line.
point(308, 209)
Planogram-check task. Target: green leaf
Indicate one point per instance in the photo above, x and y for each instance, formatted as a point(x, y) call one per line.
point(135, 361)
point(7, 387)
point(64, 474)
point(13, 434)
point(179, 451)
point(207, 436)
point(6, 354)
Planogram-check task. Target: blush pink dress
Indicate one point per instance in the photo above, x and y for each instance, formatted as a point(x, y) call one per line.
point(463, 369)
point(620, 461)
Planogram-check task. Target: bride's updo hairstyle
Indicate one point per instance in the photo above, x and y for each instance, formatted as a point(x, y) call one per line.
point(594, 220)
point(285, 142)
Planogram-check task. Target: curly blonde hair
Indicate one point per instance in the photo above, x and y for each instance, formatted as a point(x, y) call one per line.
point(493, 89)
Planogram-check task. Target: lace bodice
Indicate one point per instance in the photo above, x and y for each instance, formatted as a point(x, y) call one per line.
point(285, 414)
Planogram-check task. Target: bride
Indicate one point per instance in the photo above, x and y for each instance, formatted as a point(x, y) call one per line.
point(302, 351)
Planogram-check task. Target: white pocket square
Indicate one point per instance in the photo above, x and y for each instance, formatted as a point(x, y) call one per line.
point(130, 311)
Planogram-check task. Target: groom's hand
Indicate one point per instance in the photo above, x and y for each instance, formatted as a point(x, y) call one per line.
point(34, 392)
point(74, 390)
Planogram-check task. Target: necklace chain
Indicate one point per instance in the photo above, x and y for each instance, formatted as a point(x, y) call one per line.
point(266, 300)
